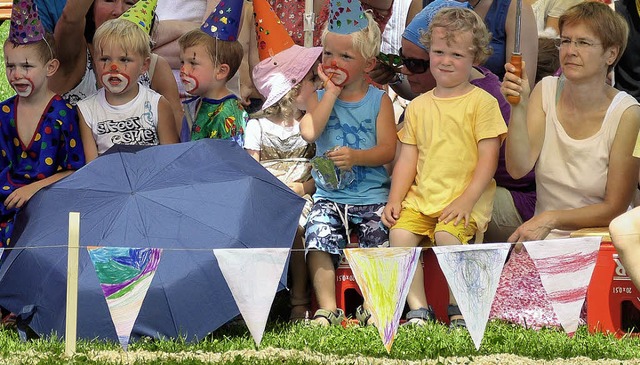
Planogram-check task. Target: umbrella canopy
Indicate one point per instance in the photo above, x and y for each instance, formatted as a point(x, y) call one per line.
point(185, 198)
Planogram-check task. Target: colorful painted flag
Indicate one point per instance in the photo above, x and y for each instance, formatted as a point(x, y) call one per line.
point(125, 275)
point(473, 272)
point(384, 276)
point(565, 267)
point(253, 275)
point(520, 297)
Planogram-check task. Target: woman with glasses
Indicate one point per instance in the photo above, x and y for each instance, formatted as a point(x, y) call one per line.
point(515, 199)
point(576, 131)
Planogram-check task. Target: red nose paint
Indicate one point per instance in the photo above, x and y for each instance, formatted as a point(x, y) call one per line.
point(114, 67)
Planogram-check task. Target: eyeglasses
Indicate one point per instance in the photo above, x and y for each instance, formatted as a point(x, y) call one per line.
point(415, 65)
point(579, 43)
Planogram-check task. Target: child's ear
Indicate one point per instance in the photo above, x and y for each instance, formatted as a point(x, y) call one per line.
point(145, 65)
point(223, 72)
point(52, 66)
point(370, 64)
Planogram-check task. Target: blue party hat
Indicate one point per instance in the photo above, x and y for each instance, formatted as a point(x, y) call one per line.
point(224, 20)
point(346, 17)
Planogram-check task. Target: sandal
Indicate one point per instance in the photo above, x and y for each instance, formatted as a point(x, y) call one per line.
point(420, 316)
point(299, 312)
point(363, 316)
point(332, 319)
point(454, 310)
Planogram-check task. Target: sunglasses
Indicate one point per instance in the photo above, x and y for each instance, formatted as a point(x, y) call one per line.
point(415, 65)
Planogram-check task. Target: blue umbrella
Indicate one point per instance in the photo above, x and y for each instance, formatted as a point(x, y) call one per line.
point(186, 198)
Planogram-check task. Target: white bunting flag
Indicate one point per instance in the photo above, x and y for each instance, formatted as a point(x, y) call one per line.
point(384, 276)
point(252, 275)
point(473, 272)
point(565, 267)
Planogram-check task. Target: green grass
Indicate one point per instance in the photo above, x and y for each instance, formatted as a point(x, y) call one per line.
point(288, 343)
point(5, 90)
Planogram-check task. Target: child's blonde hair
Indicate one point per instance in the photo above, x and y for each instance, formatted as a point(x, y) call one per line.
point(366, 41)
point(125, 34)
point(46, 47)
point(284, 108)
point(221, 52)
point(457, 20)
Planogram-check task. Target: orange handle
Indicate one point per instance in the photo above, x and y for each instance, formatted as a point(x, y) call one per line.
point(516, 61)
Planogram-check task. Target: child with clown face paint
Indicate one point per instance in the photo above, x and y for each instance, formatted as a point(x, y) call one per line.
point(39, 143)
point(123, 111)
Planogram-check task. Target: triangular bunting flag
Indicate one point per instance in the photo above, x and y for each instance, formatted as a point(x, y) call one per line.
point(125, 275)
point(520, 297)
point(384, 276)
point(473, 272)
point(565, 267)
point(252, 275)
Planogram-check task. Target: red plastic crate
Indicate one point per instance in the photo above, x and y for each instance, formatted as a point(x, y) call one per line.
point(613, 302)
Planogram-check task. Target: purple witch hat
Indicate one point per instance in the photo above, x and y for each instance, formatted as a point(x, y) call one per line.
point(224, 20)
point(26, 26)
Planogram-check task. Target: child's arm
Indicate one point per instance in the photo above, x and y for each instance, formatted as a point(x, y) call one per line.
point(255, 154)
point(88, 143)
point(21, 195)
point(383, 152)
point(404, 174)
point(461, 207)
point(315, 120)
point(166, 124)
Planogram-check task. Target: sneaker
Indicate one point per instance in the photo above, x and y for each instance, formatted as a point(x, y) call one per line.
point(420, 317)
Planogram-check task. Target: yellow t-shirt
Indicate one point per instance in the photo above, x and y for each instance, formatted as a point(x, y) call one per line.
point(446, 132)
point(636, 149)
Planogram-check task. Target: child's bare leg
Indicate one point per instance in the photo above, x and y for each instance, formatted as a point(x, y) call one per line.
point(299, 295)
point(416, 298)
point(444, 238)
point(323, 276)
point(625, 234)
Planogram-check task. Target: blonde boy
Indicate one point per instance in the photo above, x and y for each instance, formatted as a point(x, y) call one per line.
point(352, 124)
point(443, 183)
point(122, 111)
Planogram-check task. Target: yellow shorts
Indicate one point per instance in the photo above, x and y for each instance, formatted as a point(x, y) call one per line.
point(427, 225)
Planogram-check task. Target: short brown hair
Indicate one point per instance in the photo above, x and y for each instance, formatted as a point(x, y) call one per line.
point(610, 27)
point(456, 20)
point(46, 47)
point(229, 53)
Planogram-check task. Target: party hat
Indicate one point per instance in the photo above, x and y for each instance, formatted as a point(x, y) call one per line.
point(26, 26)
point(346, 17)
point(141, 14)
point(224, 20)
point(271, 34)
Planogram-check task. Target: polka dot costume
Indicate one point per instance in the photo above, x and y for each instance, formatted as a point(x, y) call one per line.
point(55, 146)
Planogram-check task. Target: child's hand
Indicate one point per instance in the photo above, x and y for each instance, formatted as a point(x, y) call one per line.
point(391, 213)
point(328, 85)
point(458, 210)
point(20, 196)
point(343, 157)
point(297, 188)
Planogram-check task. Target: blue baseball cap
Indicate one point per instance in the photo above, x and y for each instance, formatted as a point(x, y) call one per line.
point(420, 23)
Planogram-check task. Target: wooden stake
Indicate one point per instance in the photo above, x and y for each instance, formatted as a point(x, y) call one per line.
point(72, 285)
